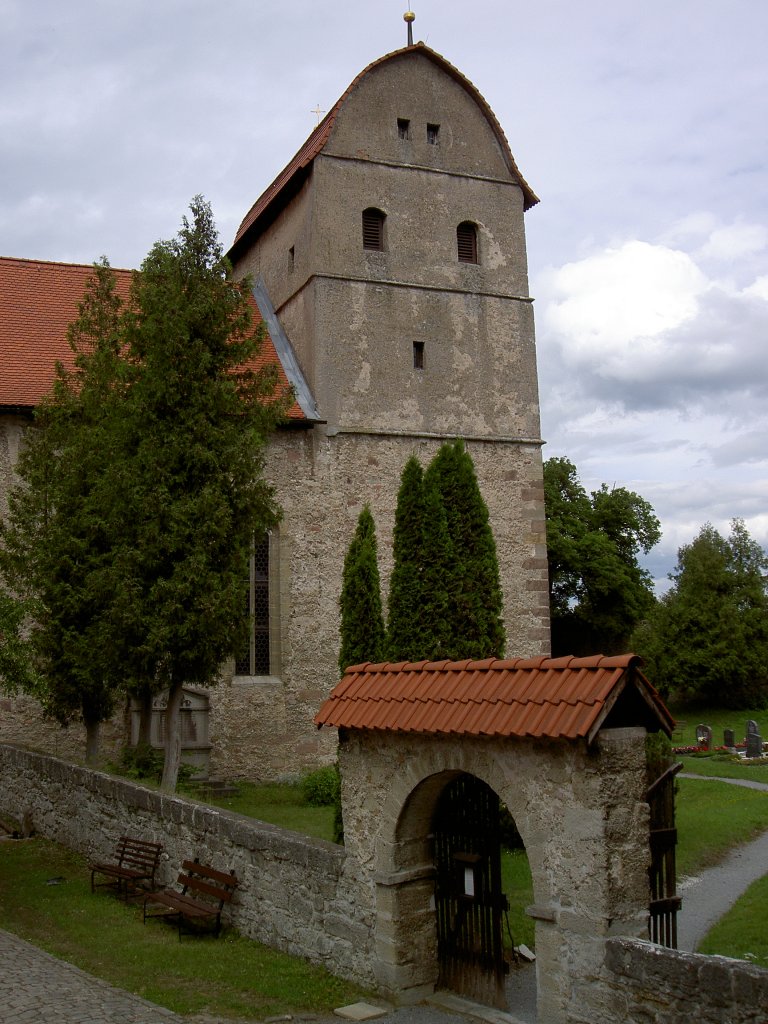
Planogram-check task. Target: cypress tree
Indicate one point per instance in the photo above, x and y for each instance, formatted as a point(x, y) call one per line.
point(474, 590)
point(435, 623)
point(405, 633)
point(362, 621)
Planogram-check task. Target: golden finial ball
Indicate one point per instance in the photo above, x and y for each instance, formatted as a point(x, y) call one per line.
point(409, 16)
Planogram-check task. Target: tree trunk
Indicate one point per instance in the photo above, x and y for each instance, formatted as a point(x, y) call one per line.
point(144, 698)
point(92, 731)
point(172, 738)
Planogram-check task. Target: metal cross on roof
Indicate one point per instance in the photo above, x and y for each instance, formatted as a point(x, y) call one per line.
point(318, 112)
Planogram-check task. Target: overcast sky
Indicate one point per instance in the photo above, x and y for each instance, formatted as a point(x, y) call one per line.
point(642, 127)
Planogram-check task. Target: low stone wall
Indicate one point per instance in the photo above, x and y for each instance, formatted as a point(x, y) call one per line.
point(300, 895)
point(651, 985)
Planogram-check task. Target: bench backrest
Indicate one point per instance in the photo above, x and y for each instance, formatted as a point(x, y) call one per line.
point(138, 854)
point(207, 882)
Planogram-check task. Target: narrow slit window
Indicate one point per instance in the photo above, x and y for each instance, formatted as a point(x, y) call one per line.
point(433, 134)
point(466, 242)
point(373, 229)
point(292, 257)
point(403, 128)
point(418, 355)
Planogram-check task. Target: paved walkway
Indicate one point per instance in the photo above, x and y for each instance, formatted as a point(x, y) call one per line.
point(36, 988)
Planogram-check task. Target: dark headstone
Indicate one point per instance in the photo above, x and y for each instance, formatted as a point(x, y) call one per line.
point(754, 744)
point(729, 739)
point(703, 736)
point(752, 727)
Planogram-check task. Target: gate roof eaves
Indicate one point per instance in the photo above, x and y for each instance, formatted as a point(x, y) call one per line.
point(555, 698)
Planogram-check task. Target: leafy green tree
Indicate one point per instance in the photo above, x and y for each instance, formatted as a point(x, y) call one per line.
point(707, 639)
point(17, 665)
point(56, 549)
point(362, 620)
point(475, 625)
point(143, 487)
point(192, 434)
point(598, 591)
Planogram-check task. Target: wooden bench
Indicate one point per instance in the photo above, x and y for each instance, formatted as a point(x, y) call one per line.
point(204, 891)
point(135, 861)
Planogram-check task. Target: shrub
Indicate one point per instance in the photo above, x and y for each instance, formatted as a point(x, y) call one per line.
point(322, 787)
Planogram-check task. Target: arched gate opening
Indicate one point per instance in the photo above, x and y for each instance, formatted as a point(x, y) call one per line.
point(470, 904)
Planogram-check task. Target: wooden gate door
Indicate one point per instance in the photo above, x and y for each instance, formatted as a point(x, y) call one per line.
point(468, 896)
point(665, 903)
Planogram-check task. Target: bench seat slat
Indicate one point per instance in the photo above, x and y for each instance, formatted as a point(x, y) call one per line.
point(204, 891)
point(135, 860)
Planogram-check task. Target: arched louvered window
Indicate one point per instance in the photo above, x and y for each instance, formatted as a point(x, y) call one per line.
point(373, 229)
point(466, 242)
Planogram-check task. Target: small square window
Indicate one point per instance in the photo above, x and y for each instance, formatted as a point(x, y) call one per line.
point(403, 128)
point(418, 355)
point(433, 134)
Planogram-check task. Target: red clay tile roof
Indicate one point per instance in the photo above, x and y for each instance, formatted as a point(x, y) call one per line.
point(317, 140)
point(558, 698)
point(38, 301)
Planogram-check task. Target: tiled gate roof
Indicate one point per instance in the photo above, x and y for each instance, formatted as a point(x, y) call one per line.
point(558, 698)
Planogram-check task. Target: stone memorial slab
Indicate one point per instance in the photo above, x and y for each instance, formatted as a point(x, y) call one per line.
point(754, 744)
point(703, 736)
point(752, 727)
point(729, 739)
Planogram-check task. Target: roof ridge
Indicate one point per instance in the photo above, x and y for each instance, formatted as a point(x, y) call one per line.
point(315, 142)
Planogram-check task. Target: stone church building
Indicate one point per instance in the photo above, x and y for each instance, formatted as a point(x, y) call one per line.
point(389, 267)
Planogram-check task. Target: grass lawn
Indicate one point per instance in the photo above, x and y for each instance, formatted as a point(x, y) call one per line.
point(518, 888)
point(712, 818)
point(723, 766)
point(279, 804)
point(717, 719)
point(230, 976)
point(742, 933)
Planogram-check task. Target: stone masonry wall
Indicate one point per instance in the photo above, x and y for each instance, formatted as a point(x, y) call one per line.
point(300, 895)
point(647, 984)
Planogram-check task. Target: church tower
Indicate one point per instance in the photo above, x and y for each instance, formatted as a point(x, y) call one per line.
point(389, 265)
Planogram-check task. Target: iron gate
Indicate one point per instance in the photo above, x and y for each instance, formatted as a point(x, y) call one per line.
point(468, 896)
point(662, 923)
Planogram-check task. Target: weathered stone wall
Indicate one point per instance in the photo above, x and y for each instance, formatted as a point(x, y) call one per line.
point(263, 727)
point(22, 722)
point(303, 896)
point(581, 815)
point(646, 984)
point(12, 429)
point(365, 912)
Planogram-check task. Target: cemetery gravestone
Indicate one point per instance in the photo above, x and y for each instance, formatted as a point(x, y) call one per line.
point(754, 744)
point(729, 739)
point(703, 736)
